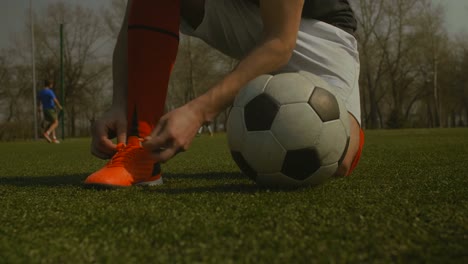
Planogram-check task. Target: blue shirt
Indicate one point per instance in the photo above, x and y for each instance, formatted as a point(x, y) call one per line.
point(47, 97)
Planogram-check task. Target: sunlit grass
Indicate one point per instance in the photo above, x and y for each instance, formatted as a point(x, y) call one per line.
point(406, 202)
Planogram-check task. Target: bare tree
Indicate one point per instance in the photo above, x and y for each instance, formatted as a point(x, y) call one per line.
point(113, 16)
point(85, 62)
point(453, 83)
point(398, 52)
point(432, 39)
point(369, 18)
point(15, 103)
point(5, 98)
point(396, 39)
point(462, 88)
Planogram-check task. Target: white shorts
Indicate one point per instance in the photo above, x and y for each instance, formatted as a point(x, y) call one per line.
point(235, 28)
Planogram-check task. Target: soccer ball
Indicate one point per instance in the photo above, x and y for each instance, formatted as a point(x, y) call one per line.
point(288, 130)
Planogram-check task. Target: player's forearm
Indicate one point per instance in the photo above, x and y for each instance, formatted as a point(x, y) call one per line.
point(281, 19)
point(57, 102)
point(266, 58)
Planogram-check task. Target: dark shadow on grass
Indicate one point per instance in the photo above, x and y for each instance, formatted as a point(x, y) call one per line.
point(205, 176)
point(51, 181)
point(249, 187)
point(222, 187)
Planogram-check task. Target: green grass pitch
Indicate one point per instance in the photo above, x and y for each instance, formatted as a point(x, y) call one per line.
point(406, 202)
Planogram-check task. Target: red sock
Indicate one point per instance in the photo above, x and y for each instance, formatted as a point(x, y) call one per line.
point(153, 40)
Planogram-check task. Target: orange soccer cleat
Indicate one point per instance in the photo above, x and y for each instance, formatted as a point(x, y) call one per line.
point(131, 165)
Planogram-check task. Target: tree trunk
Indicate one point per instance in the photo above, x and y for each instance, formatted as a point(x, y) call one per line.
point(465, 120)
point(374, 110)
point(437, 114)
point(430, 118)
point(72, 121)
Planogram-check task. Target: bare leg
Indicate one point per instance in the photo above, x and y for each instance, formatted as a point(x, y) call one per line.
point(52, 127)
point(54, 135)
point(210, 130)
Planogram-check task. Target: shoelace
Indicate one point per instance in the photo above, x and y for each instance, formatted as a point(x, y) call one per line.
point(125, 154)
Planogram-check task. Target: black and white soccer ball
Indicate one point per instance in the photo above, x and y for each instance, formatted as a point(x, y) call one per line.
point(288, 130)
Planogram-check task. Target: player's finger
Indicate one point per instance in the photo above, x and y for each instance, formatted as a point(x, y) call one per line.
point(101, 151)
point(101, 143)
point(99, 154)
point(121, 133)
point(155, 144)
point(106, 145)
point(159, 129)
point(164, 154)
point(158, 138)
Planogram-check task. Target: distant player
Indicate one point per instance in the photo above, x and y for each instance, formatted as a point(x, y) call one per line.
point(268, 36)
point(49, 102)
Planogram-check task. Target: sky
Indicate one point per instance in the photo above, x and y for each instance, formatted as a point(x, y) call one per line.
point(456, 15)
point(13, 14)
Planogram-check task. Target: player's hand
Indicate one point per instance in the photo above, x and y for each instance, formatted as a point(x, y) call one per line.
point(174, 133)
point(112, 124)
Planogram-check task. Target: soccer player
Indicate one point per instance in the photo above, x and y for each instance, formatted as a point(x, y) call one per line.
point(267, 36)
point(48, 101)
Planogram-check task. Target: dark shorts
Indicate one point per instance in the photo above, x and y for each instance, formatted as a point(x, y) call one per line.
point(50, 115)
